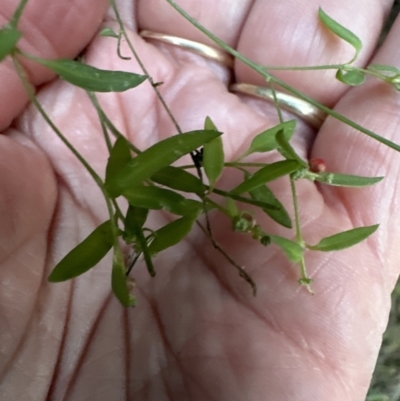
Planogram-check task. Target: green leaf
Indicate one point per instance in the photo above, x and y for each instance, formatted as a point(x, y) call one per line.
point(85, 255)
point(120, 282)
point(171, 234)
point(286, 150)
point(266, 174)
point(135, 217)
point(292, 249)
point(91, 78)
point(136, 231)
point(266, 141)
point(108, 32)
point(179, 179)
point(9, 37)
point(244, 199)
point(213, 155)
point(388, 70)
point(396, 85)
point(231, 207)
point(161, 199)
point(158, 156)
point(352, 77)
point(345, 239)
point(280, 215)
point(346, 180)
point(341, 31)
point(120, 155)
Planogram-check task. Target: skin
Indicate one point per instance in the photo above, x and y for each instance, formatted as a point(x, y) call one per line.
point(197, 333)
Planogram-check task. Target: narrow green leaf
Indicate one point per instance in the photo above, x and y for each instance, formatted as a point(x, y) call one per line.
point(171, 234)
point(266, 141)
point(179, 179)
point(244, 199)
point(158, 156)
point(286, 150)
point(280, 215)
point(352, 77)
point(108, 32)
point(231, 207)
point(292, 249)
point(161, 199)
point(9, 37)
point(91, 78)
point(385, 69)
point(213, 155)
point(347, 180)
point(345, 239)
point(266, 174)
point(135, 217)
point(120, 155)
point(85, 255)
point(396, 85)
point(341, 31)
point(136, 231)
point(120, 282)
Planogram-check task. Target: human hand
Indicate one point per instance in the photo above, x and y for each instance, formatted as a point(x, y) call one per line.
point(196, 332)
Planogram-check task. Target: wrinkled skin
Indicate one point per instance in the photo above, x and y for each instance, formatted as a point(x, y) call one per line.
point(197, 333)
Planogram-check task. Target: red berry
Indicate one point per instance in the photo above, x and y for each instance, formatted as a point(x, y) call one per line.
point(317, 165)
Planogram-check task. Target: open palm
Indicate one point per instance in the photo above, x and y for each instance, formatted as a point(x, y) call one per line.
point(197, 333)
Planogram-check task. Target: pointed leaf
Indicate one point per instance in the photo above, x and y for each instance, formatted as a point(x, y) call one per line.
point(108, 32)
point(179, 179)
point(120, 282)
point(135, 217)
point(347, 180)
point(352, 78)
point(213, 156)
point(91, 78)
point(280, 215)
point(120, 155)
point(292, 249)
point(286, 150)
point(266, 174)
point(9, 38)
point(340, 31)
point(137, 231)
point(266, 141)
point(85, 255)
point(158, 156)
point(245, 199)
point(231, 207)
point(161, 199)
point(344, 239)
point(387, 70)
point(171, 234)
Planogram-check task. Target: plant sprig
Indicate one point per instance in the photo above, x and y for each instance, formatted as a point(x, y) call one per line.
point(150, 182)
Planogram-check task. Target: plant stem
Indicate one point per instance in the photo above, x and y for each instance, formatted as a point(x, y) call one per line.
point(17, 14)
point(276, 103)
point(240, 269)
point(28, 88)
point(33, 99)
point(144, 69)
point(270, 78)
point(104, 119)
point(304, 278)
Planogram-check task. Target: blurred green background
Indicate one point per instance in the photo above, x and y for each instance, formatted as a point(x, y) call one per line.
point(385, 384)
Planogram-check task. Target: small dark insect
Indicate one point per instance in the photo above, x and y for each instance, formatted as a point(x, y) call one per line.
point(197, 157)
